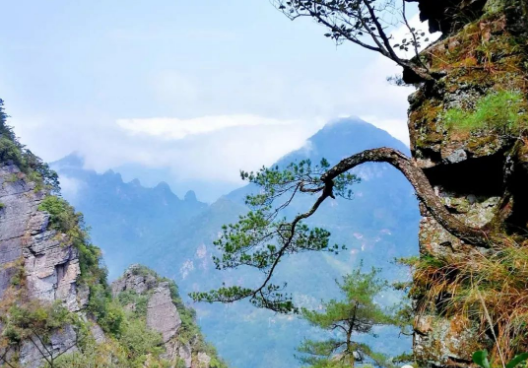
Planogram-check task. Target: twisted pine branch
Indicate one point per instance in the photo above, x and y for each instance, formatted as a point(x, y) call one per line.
point(421, 185)
point(332, 181)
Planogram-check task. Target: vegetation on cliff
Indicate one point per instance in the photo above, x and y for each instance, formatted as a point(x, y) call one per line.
point(33, 168)
point(103, 333)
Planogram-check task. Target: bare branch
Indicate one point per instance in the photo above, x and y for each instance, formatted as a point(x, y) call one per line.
point(4, 359)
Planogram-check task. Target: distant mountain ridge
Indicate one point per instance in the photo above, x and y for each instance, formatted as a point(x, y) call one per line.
point(177, 241)
point(123, 216)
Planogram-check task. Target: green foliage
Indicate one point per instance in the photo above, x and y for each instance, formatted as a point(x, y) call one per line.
point(357, 313)
point(297, 176)
point(108, 313)
point(134, 320)
point(65, 219)
point(480, 358)
point(140, 301)
point(2, 205)
point(11, 150)
point(21, 322)
point(62, 216)
point(518, 359)
point(117, 354)
point(260, 239)
point(128, 328)
point(139, 340)
point(503, 111)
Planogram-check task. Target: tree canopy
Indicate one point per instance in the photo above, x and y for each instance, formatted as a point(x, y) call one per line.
point(356, 314)
point(366, 23)
point(261, 238)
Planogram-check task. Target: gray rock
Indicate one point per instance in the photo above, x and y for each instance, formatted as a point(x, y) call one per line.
point(134, 280)
point(203, 360)
point(457, 156)
point(185, 354)
point(162, 315)
point(49, 262)
point(97, 333)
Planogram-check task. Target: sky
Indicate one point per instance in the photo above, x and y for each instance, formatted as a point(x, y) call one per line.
point(190, 92)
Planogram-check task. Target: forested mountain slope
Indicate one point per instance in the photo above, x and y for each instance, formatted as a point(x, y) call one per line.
point(378, 225)
point(125, 217)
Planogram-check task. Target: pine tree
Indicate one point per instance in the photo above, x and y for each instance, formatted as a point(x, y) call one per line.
point(357, 314)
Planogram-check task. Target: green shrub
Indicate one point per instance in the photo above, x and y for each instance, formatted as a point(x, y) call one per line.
point(139, 300)
point(139, 340)
point(504, 111)
point(63, 218)
point(480, 358)
point(37, 319)
point(62, 215)
point(112, 319)
point(12, 150)
point(108, 313)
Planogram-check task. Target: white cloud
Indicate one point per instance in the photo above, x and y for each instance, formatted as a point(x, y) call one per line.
point(404, 33)
point(223, 107)
point(70, 186)
point(174, 128)
point(395, 127)
point(209, 149)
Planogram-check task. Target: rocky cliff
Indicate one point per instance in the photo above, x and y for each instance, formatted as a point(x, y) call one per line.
point(36, 262)
point(468, 134)
point(156, 299)
point(56, 308)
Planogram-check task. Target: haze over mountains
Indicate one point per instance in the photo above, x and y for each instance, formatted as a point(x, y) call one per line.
point(132, 223)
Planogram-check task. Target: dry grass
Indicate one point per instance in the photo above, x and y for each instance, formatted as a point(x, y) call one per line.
point(476, 283)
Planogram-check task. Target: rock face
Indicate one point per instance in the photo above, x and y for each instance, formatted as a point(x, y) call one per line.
point(50, 266)
point(480, 173)
point(162, 315)
point(31, 254)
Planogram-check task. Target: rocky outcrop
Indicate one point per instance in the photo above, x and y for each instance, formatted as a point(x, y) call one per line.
point(478, 172)
point(162, 315)
point(34, 257)
point(50, 265)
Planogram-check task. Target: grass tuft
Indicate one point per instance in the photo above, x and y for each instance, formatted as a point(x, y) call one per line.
point(504, 111)
point(479, 287)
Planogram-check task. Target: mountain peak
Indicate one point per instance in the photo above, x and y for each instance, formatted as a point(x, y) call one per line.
point(163, 186)
point(350, 120)
point(351, 125)
point(135, 182)
point(73, 160)
point(343, 137)
point(190, 196)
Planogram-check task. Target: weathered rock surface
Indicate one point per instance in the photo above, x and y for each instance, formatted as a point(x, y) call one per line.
point(47, 262)
point(44, 264)
point(475, 172)
point(134, 280)
point(162, 315)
